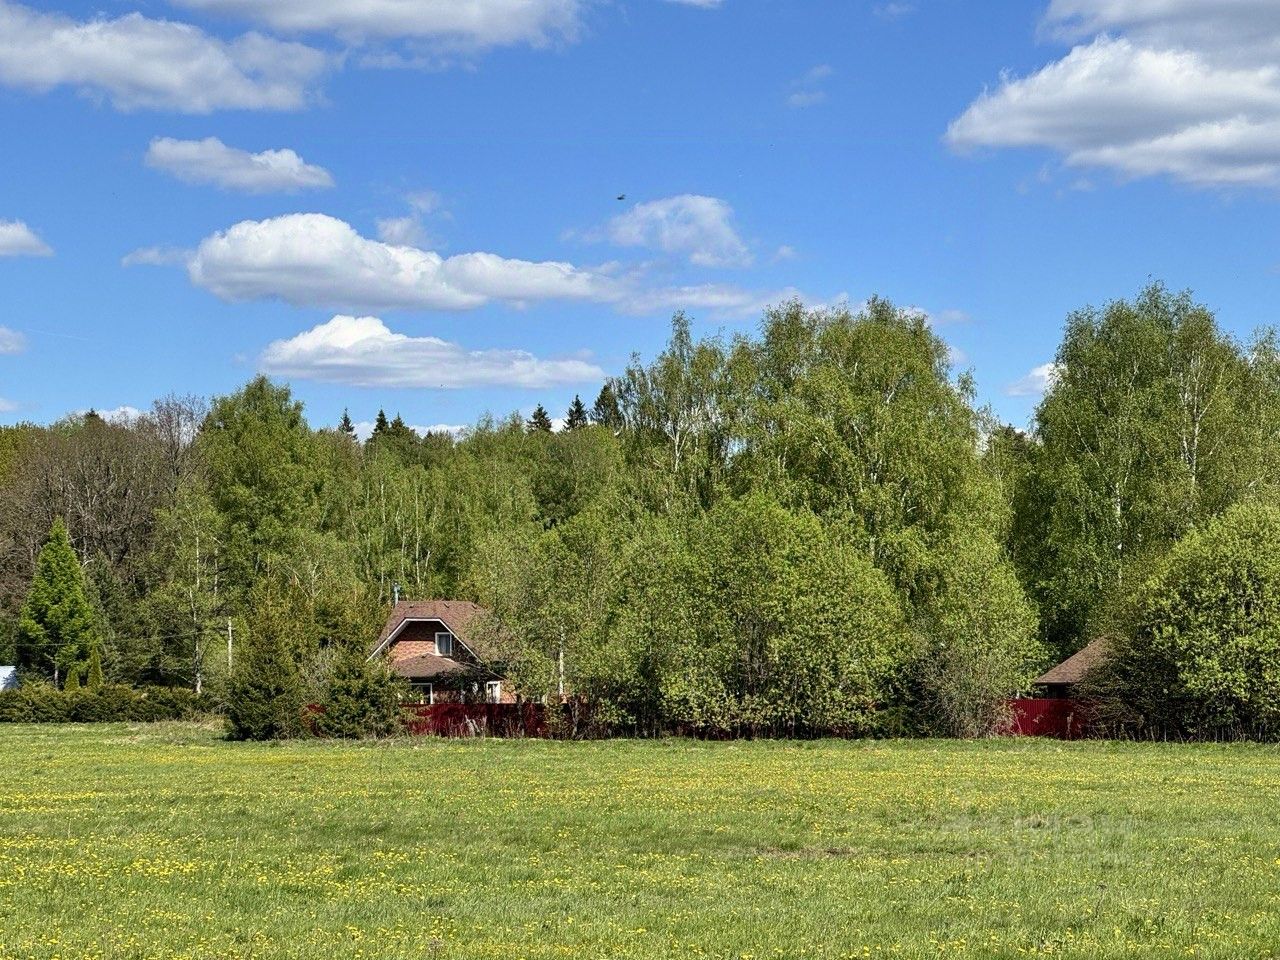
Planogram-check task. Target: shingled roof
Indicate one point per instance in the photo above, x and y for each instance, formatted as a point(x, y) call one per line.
point(457, 615)
point(1073, 669)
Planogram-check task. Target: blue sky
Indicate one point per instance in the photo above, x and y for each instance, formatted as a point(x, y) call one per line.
point(411, 204)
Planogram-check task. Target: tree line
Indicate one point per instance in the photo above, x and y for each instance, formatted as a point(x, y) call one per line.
point(810, 530)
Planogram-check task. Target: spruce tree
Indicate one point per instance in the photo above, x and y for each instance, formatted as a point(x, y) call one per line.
point(265, 698)
point(577, 415)
point(540, 422)
point(57, 626)
point(362, 698)
point(346, 427)
point(380, 425)
point(606, 412)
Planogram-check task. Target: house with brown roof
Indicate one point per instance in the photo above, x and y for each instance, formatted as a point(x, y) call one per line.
point(436, 646)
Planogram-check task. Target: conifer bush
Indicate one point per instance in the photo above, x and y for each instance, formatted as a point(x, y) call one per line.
point(362, 698)
point(265, 698)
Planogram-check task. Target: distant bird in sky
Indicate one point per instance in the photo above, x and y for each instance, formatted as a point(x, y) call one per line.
point(622, 196)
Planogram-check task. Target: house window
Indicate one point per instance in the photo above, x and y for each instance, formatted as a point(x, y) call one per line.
point(493, 691)
point(444, 644)
point(425, 692)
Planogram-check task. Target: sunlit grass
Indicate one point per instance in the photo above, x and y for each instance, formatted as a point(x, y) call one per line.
point(166, 841)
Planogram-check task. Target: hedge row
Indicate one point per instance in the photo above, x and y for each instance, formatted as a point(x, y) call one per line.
point(43, 703)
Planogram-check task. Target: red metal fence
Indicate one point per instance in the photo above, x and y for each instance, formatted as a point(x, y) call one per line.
point(1065, 719)
point(477, 719)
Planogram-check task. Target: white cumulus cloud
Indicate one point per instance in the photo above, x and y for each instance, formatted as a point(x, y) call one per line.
point(697, 227)
point(19, 240)
point(364, 352)
point(141, 63)
point(455, 24)
point(311, 259)
point(1235, 30)
point(1035, 383)
point(1179, 88)
point(212, 161)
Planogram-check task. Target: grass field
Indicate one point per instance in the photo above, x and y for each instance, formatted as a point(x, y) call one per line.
point(169, 842)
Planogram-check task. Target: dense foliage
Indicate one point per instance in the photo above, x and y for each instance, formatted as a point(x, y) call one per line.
point(1156, 422)
point(807, 531)
point(1200, 653)
point(45, 703)
point(361, 699)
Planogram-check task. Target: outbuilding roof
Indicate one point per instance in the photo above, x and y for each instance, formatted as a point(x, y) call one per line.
point(1073, 669)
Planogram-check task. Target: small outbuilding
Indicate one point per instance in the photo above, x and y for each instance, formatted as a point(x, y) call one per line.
point(1060, 682)
point(1055, 709)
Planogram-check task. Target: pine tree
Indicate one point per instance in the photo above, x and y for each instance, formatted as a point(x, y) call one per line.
point(540, 421)
point(94, 678)
point(56, 627)
point(577, 415)
point(346, 427)
point(380, 425)
point(265, 698)
point(606, 412)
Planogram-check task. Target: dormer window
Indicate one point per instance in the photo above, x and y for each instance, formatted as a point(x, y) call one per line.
point(444, 644)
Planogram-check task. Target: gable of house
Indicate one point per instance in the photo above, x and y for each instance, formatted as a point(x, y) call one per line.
point(424, 639)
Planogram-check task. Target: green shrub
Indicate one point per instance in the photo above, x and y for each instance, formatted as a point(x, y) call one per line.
point(362, 699)
point(979, 642)
point(1199, 654)
point(265, 698)
point(110, 703)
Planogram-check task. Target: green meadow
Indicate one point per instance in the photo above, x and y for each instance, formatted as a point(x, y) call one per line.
point(168, 841)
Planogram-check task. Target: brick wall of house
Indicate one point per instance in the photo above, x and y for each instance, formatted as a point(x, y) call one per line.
point(420, 637)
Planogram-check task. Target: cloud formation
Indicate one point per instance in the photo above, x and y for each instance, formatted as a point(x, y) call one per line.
point(19, 240)
point(11, 342)
point(449, 24)
point(156, 257)
point(1037, 381)
point(1235, 30)
point(314, 260)
point(210, 161)
point(364, 352)
point(311, 259)
point(139, 63)
point(695, 227)
point(809, 90)
point(1178, 88)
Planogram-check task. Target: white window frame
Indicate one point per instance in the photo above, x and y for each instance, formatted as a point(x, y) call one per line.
point(428, 688)
point(493, 691)
point(444, 633)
